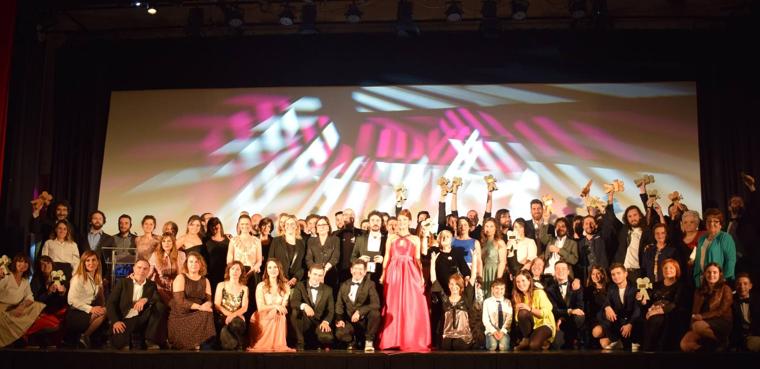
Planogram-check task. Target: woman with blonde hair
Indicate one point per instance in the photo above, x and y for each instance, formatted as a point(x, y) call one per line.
point(86, 299)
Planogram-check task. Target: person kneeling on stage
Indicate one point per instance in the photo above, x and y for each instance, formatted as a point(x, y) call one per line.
point(497, 317)
point(313, 309)
point(620, 312)
point(135, 306)
point(457, 309)
point(567, 307)
point(357, 310)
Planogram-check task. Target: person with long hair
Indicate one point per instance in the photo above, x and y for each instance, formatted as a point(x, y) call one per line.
point(666, 311)
point(147, 243)
point(246, 249)
point(521, 250)
point(533, 314)
point(407, 324)
point(62, 248)
point(170, 227)
point(18, 309)
point(269, 326)
point(192, 240)
point(711, 318)
point(50, 291)
point(217, 247)
point(166, 263)
point(494, 254)
point(231, 303)
point(594, 296)
point(86, 298)
point(191, 320)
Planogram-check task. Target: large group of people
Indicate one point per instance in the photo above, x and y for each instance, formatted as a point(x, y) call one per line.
point(649, 281)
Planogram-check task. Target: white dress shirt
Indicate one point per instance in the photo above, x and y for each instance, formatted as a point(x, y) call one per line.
point(137, 292)
point(82, 293)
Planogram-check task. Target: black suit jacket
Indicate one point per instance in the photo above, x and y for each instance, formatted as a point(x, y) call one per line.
point(542, 236)
point(628, 311)
point(561, 306)
point(120, 300)
point(622, 236)
point(754, 315)
point(293, 267)
point(324, 307)
point(366, 300)
point(360, 249)
point(317, 254)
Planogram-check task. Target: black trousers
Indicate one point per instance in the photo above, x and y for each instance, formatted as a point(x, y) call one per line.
point(366, 327)
point(571, 328)
point(537, 336)
point(232, 336)
point(76, 323)
point(307, 330)
point(612, 330)
point(455, 344)
point(147, 323)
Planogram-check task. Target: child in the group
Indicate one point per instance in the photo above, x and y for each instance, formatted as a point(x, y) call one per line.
point(497, 318)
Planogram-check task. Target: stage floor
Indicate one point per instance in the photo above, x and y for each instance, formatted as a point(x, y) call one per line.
point(339, 359)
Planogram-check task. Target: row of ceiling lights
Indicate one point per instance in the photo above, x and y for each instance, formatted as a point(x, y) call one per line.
point(405, 22)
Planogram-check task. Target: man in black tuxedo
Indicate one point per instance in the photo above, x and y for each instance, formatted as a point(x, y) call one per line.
point(567, 305)
point(538, 229)
point(135, 306)
point(621, 311)
point(746, 311)
point(96, 239)
point(312, 309)
point(358, 308)
point(370, 247)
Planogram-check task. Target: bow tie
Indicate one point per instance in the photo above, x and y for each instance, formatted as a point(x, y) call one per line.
point(744, 301)
point(563, 284)
point(313, 288)
point(355, 283)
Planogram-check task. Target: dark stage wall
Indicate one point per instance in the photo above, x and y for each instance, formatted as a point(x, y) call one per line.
point(59, 96)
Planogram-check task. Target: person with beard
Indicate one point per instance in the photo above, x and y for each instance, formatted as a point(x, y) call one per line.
point(347, 236)
point(505, 223)
point(370, 247)
point(561, 247)
point(631, 235)
point(43, 225)
point(472, 216)
point(125, 239)
point(338, 221)
point(743, 225)
point(96, 239)
point(422, 216)
point(592, 248)
point(537, 227)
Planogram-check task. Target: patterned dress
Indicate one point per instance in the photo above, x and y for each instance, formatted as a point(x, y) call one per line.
point(190, 328)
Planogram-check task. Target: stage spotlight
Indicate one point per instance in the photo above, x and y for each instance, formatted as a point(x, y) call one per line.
point(454, 12)
point(577, 8)
point(308, 19)
point(489, 25)
point(233, 16)
point(286, 15)
point(353, 13)
point(137, 4)
point(152, 10)
point(520, 9)
point(405, 25)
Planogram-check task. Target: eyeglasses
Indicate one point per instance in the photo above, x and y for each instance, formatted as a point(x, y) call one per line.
point(322, 225)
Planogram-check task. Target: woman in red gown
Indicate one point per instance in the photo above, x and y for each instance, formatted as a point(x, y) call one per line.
point(406, 316)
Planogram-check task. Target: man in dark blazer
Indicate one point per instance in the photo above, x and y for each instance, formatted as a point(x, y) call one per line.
point(620, 312)
point(312, 309)
point(370, 247)
point(538, 229)
point(134, 306)
point(567, 305)
point(358, 308)
point(96, 239)
point(632, 233)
